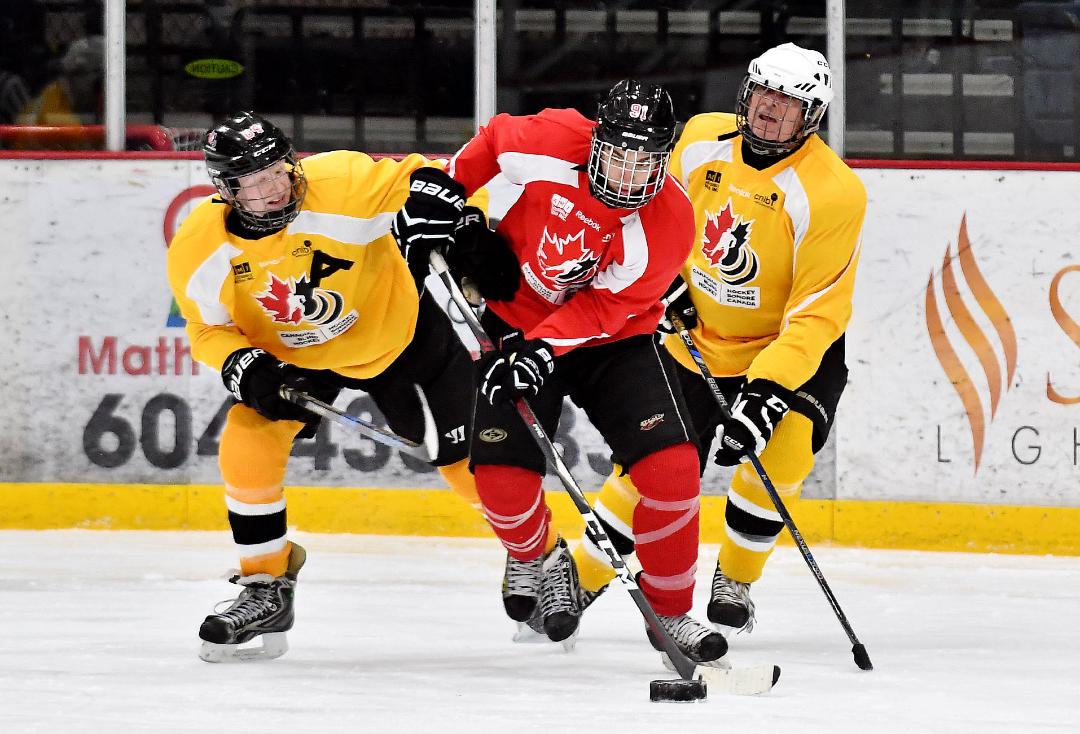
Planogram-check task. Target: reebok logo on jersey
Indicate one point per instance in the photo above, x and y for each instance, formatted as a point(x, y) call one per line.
point(725, 242)
point(561, 206)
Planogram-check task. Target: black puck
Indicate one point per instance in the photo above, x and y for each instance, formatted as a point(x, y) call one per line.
point(677, 690)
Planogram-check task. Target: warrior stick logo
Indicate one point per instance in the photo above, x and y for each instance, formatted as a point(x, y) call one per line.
point(725, 244)
point(998, 370)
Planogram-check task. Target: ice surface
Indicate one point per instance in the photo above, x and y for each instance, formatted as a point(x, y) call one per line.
point(408, 635)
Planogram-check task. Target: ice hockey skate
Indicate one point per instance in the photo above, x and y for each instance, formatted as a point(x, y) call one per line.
point(699, 643)
point(521, 587)
point(560, 583)
point(730, 607)
point(263, 613)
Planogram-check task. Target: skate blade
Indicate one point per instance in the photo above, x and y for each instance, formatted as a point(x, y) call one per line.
point(528, 636)
point(264, 647)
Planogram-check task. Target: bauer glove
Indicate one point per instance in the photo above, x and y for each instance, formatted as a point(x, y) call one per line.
point(255, 378)
point(427, 220)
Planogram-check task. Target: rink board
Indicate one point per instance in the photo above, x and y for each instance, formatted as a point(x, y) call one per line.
point(871, 524)
point(958, 428)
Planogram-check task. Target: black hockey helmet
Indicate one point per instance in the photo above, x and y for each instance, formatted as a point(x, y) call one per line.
point(244, 145)
point(632, 142)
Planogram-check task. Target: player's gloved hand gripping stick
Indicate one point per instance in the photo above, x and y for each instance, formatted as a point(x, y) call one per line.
point(750, 680)
point(858, 650)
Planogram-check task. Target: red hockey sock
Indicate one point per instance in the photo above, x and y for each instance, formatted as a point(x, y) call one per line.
point(666, 526)
point(514, 507)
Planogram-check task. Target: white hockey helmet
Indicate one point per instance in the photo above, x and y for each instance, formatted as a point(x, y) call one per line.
point(800, 74)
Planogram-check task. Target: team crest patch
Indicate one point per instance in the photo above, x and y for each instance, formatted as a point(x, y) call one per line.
point(564, 265)
point(295, 301)
point(725, 242)
point(492, 435)
point(652, 422)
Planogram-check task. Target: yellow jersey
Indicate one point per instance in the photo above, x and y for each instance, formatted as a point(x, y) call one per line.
point(330, 291)
point(773, 265)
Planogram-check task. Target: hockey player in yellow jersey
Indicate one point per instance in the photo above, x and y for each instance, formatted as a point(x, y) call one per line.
point(766, 295)
point(291, 276)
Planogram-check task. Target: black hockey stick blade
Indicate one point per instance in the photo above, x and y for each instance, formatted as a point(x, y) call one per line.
point(862, 659)
point(427, 451)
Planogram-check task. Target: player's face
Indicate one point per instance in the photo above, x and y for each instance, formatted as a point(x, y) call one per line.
point(265, 191)
point(627, 171)
point(773, 115)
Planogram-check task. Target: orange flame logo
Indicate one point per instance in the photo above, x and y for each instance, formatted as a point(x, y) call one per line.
point(972, 333)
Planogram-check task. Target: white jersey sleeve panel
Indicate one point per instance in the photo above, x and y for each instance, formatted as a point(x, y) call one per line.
point(342, 228)
point(204, 287)
point(524, 168)
point(698, 154)
point(502, 194)
point(618, 275)
point(797, 206)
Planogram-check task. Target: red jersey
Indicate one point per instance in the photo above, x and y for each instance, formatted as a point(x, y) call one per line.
point(590, 274)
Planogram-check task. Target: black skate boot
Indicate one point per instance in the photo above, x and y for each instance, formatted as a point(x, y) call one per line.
point(560, 594)
point(699, 643)
point(521, 587)
point(264, 609)
point(730, 607)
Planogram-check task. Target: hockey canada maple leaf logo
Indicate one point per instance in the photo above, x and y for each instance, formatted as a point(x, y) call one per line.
point(293, 300)
point(566, 261)
point(725, 242)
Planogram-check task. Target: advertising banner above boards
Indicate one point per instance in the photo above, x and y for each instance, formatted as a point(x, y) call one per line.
point(963, 347)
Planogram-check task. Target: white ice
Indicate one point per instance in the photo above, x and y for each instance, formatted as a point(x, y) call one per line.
point(408, 635)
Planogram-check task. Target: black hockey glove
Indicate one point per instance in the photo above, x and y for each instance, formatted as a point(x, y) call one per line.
point(517, 370)
point(427, 220)
point(255, 378)
point(483, 258)
point(677, 301)
point(757, 410)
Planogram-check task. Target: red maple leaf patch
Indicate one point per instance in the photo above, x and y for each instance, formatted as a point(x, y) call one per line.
point(572, 261)
point(723, 233)
point(281, 302)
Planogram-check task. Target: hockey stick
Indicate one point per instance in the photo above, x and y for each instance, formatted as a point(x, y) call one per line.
point(746, 680)
point(858, 650)
point(426, 451)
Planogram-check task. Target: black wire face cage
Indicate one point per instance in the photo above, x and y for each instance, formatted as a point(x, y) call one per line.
point(267, 221)
point(623, 178)
point(810, 117)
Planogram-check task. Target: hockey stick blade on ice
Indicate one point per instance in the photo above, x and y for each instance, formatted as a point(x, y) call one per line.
point(858, 650)
point(752, 680)
point(426, 451)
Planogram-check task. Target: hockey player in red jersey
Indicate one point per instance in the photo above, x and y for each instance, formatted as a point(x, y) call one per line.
point(600, 230)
